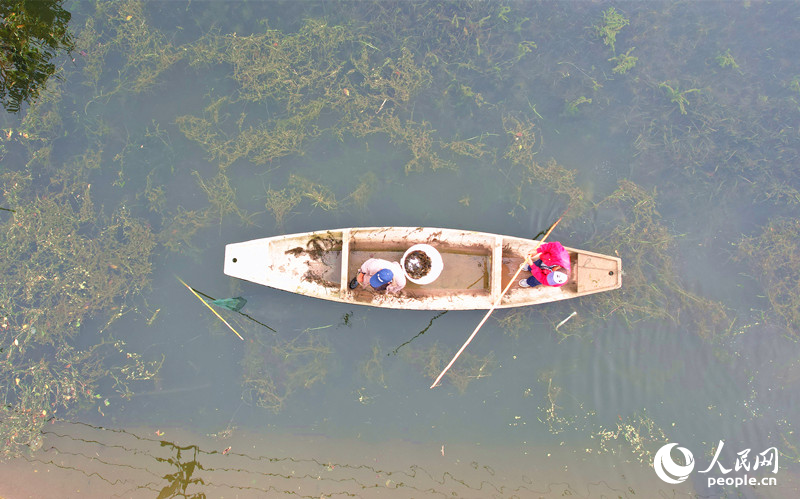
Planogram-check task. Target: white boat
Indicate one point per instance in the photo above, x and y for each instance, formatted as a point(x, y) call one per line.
point(477, 266)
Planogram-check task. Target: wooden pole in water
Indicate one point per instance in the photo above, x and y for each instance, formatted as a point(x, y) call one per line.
point(496, 303)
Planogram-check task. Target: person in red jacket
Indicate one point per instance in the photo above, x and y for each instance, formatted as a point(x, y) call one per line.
point(551, 268)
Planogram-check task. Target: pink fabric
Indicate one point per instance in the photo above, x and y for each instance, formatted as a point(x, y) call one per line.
point(554, 254)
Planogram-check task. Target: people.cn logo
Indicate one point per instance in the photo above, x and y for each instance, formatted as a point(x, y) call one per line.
point(670, 471)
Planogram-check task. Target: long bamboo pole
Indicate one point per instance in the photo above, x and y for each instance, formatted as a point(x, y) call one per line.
point(496, 303)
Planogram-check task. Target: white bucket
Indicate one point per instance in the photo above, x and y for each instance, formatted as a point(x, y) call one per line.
point(436, 263)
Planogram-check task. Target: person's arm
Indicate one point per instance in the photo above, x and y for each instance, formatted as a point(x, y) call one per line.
point(541, 275)
point(371, 266)
point(398, 279)
point(365, 272)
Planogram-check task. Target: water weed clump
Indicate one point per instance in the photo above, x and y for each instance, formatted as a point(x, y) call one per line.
point(146, 51)
point(521, 151)
point(154, 195)
point(471, 148)
point(93, 50)
point(562, 411)
point(36, 387)
point(258, 143)
point(221, 197)
point(295, 75)
point(63, 263)
point(363, 191)
point(677, 96)
point(372, 368)
point(571, 106)
point(321, 196)
point(179, 228)
point(321, 69)
point(292, 69)
point(43, 120)
point(610, 26)
point(775, 256)
point(726, 60)
point(645, 245)
point(514, 322)
point(469, 367)
point(399, 80)
point(651, 290)
point(624, 62)
point(640, 434)
point(418, 138)
point(281, 203)
point(274, 368)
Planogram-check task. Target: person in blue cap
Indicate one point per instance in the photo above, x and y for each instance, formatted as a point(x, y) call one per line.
point(380, 275)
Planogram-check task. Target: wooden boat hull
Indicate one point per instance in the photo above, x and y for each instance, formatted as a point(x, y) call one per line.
point(477, 267)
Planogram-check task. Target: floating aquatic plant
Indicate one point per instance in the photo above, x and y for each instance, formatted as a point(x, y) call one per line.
point(611, 24)
point(624, 62)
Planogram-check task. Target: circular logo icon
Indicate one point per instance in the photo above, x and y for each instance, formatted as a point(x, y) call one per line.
point(670, 471)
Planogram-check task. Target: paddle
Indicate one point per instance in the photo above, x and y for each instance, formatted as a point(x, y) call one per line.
point(496, 303)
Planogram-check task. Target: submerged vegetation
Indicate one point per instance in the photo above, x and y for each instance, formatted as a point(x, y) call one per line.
point(677, 96)
point(274, 368)
point(624, 62)
point(653, 287)
point(431, 360)
point(774, 257)
point(62, 261)
point(610, 26)
point(640, 434)
point(63, 264)
point(726, 60)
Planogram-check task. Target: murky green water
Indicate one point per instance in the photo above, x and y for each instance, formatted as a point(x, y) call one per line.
point(190, 125)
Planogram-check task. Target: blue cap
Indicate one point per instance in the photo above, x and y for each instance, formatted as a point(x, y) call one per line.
point(382, 277)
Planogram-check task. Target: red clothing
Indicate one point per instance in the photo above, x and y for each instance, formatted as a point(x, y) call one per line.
point(541, 276)
point(554, 254)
